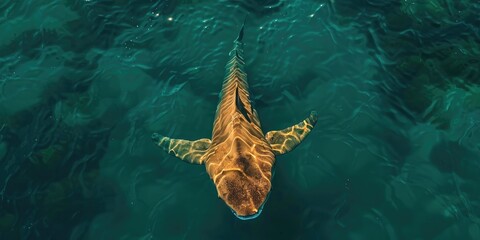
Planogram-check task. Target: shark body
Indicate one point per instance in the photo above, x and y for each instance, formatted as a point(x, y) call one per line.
point(239, 157)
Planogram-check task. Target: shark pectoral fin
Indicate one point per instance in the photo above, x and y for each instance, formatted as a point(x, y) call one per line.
point(188, 151)
point(286, 140)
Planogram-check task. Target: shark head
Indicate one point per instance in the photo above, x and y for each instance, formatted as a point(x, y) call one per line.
point(244, 193)
point(245, 196)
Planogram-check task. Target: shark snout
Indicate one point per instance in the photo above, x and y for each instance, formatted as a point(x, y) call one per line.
point(244, 196)
point(249, 215)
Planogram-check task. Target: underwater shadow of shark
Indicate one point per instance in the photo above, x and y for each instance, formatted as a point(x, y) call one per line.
point(239, 157)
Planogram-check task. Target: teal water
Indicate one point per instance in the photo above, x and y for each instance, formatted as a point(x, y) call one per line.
point(84, 83)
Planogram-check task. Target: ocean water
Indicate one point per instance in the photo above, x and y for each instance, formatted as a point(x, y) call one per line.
point(84, 83)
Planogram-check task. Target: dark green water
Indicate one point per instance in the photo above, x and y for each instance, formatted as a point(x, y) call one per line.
point(84, 83)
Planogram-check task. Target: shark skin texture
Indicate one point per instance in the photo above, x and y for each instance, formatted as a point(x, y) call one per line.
point(239, 157)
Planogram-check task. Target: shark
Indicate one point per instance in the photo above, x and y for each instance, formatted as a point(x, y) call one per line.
point(238, 157)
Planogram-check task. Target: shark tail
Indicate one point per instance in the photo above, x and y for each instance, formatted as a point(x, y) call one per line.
point(240, 34)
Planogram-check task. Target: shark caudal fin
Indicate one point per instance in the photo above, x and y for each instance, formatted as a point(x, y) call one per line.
point(286, 140)
point(188, 151)
point(240, 34)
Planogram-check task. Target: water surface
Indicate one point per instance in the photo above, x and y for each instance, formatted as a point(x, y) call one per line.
point(395, 153)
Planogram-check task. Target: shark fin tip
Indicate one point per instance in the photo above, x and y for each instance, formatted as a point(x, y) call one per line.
point(240, 34)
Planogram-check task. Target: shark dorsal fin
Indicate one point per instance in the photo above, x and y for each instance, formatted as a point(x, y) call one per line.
point(240, 106)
